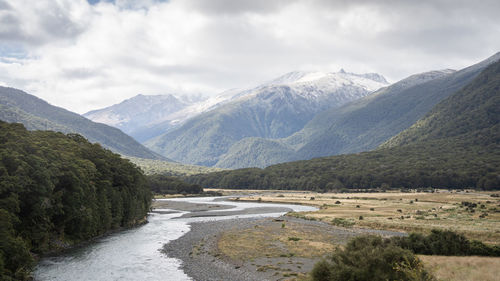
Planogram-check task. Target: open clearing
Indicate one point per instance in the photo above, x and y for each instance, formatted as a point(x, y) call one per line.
point(474, 214)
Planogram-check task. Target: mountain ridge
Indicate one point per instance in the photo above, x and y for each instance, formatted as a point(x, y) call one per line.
point(363, 124)
point(37, 114)
point(273, 110)
point(455, 145)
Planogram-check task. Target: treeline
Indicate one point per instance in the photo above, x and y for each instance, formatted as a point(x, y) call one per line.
point(162, 184)
point(437, 164)
point(57, 190)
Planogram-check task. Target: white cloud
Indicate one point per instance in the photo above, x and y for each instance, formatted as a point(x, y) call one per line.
point(83, 56)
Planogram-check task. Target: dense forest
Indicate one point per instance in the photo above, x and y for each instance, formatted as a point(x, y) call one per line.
point(456, 145)
point(57, 190)
point(162, 184)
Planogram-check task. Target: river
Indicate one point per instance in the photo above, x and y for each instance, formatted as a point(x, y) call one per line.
point(135, 254)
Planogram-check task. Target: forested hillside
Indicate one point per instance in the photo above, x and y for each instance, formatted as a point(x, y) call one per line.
point(456, 145)
point(57, 190)
point(36, 114)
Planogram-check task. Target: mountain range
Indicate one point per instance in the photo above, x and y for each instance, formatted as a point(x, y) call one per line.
point(273, 110)
point(300, 115)
point(456, 144)
point(36, 114)
point(360, 125)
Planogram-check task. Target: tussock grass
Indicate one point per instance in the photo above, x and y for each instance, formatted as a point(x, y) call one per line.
point(410, 212)
point(463, 268)
point(272, 240)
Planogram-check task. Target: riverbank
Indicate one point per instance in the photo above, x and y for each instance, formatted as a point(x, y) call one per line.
point(257, 248)
point(472, 213)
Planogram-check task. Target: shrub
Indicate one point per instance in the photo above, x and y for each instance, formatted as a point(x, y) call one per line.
point(370, 258)
point(445, 242)
point(342, 222)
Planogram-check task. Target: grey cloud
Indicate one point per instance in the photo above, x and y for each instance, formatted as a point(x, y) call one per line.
point(4, 5)
point(81, 73)
point(52, 20)
point(236, 7)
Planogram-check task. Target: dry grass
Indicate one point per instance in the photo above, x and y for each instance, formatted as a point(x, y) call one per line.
point(278, 239)
point(399, 211)
point(463, 268)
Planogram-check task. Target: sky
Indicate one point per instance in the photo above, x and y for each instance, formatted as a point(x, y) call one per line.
point(84, 55)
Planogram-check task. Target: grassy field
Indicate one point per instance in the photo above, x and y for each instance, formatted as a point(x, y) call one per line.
point(418, 212)
point(475, 214)
point(463, 268)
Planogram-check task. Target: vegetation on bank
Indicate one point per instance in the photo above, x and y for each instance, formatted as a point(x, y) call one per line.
point(371, 257)
point(445, 243)
point(163, 185)
point(474, 214)
point(57, 190)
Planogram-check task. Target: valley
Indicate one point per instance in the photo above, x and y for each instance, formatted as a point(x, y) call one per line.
point(410, 168)
point(249, 140)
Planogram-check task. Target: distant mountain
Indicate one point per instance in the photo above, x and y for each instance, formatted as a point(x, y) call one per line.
point(273, 110)
point(36, 114)
point(136, 115)
point(361, 125)
point(455, 145)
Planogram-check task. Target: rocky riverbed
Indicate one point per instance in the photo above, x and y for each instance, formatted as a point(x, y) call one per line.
point(202, 257)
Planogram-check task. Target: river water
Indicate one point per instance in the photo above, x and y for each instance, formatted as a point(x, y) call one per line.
point(135, 254)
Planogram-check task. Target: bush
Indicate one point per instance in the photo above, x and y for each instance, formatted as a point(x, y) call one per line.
point(342, 222)
point(370, 258)
point(446, 243)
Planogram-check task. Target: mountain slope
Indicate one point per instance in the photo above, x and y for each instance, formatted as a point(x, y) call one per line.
point(471, 116)
point(273, 110)
point(36, 114)
point(135, 115)
point(456, 145)
point(337, 127)
point(366, 123)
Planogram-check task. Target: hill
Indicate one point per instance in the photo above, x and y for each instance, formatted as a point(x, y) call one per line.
point(275, 109)
point(456, 145)
point(36, 114)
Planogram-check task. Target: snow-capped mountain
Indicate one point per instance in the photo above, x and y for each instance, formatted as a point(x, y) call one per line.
point(136, 115)
point(274, 109)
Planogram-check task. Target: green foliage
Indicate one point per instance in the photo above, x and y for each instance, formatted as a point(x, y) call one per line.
point(456, 146)
point(56, 190)
point(370, 258)
point(445, 243)
point(161, 184)
point(342, 222)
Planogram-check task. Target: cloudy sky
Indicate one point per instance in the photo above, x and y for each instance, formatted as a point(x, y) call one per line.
point(84, 55)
